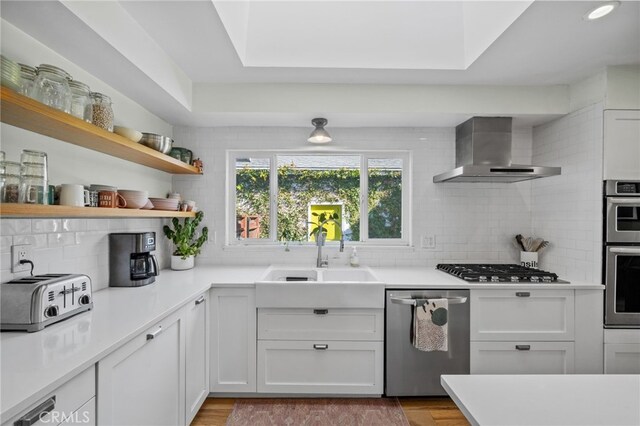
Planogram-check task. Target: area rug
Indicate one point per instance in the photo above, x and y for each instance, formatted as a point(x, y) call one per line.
point(317, 412)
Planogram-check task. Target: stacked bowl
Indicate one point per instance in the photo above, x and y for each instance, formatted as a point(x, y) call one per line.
point(135, 199)
point(10, 73)
point(170, 204)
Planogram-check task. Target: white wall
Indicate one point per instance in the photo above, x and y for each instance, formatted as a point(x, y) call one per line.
point(567, 209)
point(68, 163)
point(77, 245)
point(471, 222)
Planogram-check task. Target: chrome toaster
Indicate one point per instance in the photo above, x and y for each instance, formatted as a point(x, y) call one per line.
point(32, 303)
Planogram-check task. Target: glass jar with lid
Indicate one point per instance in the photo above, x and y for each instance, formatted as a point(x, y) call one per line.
point(80, 101)
point(9, 182)
point(51, 87)
point(28, 74)
point(102, 111)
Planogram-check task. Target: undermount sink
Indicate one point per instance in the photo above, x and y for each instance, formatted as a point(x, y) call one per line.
point(300, 287)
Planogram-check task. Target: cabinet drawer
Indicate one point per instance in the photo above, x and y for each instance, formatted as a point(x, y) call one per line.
point(328, 324)
point(511, 315)
point(304, 367)
point(63, 401)
point(622, 358)
point(530, 358)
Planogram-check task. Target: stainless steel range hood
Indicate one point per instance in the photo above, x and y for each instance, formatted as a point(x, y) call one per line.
point(483, 154)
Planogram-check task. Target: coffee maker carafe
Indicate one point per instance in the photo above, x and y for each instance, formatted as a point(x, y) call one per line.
point(131, 263)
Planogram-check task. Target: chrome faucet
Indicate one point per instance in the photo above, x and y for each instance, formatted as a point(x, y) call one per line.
point(320, 240)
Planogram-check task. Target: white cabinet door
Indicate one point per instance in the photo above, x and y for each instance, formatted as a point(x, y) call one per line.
point(197, 354)
point(330, 324)
point(320, 367)
point(142, 383)
point(622, 144)
point(510, 315)
point(233, 340)
point(522, 357)
point(85, 415)
point(622, 358)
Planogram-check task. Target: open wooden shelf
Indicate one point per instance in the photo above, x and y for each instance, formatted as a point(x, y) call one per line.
point(38, 210)
point(29, 114)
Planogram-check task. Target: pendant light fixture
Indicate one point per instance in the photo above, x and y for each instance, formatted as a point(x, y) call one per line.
point(319, 135)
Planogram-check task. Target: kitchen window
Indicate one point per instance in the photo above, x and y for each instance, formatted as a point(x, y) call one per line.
point(278, 197)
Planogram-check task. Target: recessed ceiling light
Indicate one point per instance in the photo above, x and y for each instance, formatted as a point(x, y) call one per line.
point(601, 10)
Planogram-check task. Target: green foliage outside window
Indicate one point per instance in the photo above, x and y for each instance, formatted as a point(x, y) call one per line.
point(297, 188)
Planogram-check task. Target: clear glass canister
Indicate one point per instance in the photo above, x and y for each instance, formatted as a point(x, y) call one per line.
point(9, 182)
point(28, 74)
point(51, 87)
point(81, 101)
point(102, 111)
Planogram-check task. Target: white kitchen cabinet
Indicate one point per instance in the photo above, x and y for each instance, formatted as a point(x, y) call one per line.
point(622, 358)
point(71, 403)
point(233, 340)
point(522, 315)
point(308, 324)
point(320, 367)
point(143, 382)
point(522, 357)
point(621, 144)
point(196, 354)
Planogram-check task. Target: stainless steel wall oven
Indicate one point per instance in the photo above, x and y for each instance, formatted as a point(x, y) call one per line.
point(621, 263)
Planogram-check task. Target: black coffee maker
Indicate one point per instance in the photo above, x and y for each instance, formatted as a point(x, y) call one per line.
point(131, 263)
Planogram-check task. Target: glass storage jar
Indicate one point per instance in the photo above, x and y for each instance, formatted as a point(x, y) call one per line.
point(28, 74)
point(51, 87)
point(9, 182)
point(102, 111)
point(80, 101)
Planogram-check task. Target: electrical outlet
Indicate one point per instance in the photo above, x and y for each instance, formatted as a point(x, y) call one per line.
point(19, 252)
point(429, 241)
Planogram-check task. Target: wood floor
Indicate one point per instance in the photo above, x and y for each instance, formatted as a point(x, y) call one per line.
point(419, 412)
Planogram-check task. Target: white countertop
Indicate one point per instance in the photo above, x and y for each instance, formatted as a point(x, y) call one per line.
point(548, 400)
point(33, 364)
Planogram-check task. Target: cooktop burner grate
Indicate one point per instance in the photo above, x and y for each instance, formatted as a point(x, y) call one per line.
point(508, 273)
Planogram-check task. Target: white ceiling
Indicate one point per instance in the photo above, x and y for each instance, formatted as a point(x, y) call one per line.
point(548, 44)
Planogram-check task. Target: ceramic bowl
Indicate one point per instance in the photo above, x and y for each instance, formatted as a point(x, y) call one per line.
point(131, 134)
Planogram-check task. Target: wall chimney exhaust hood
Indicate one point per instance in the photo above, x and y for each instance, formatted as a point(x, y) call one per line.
point(483, 154)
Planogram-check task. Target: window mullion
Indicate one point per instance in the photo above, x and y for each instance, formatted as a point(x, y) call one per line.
point(364, 199)
point(273, 198)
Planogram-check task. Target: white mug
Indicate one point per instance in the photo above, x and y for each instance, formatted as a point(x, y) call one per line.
point(73, 195)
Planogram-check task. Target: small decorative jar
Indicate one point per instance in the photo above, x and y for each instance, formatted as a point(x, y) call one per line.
point(51, 87)
point(102, 111)
point(81, 104)
point(28, 75)
point(9, 182)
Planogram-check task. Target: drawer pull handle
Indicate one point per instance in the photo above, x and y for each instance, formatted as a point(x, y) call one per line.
point(151, 336)
point(321, 311)
point(36, 414)
point(523, 347)
point(523, 294)
point(200, 300)
point(320, 347)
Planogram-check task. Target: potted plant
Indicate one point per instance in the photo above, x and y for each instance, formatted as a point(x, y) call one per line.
point(187, 246)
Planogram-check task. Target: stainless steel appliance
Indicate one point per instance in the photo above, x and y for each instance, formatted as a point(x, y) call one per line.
point(483, 154)
point(621, 263)
point(409, 371)
point(32, 303)
point(499, 273)
point(131, 263)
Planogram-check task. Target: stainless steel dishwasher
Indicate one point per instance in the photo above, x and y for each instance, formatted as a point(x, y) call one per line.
point(410, 372)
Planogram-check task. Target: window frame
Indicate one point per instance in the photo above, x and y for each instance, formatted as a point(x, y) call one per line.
point(365, 155)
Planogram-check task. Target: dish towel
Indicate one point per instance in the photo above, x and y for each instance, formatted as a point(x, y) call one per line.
point(430, 331)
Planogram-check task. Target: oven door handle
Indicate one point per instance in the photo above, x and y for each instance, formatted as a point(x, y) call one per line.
point(414, 302)
point(624, 250)
point(630, 200)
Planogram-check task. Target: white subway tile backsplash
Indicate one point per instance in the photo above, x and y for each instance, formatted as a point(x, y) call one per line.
point(45, 226)
point(15, 226)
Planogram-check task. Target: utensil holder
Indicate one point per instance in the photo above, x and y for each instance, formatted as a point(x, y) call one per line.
point(529, 259)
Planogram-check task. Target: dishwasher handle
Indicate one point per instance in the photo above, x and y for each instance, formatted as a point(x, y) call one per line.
point(416, 302)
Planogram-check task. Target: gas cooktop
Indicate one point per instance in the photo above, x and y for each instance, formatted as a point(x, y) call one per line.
point(498, 273)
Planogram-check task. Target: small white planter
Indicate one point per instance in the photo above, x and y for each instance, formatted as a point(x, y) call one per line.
point(180, 264)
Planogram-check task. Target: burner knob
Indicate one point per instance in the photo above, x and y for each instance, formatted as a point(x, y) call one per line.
point(51, 311)
point(495, 278)
point(84, 300)
point(534, 279)
point(546, 279)
point(482, 278)
point(515, 279)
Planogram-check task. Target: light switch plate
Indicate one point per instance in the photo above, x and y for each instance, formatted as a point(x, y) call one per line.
point(429, 241)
